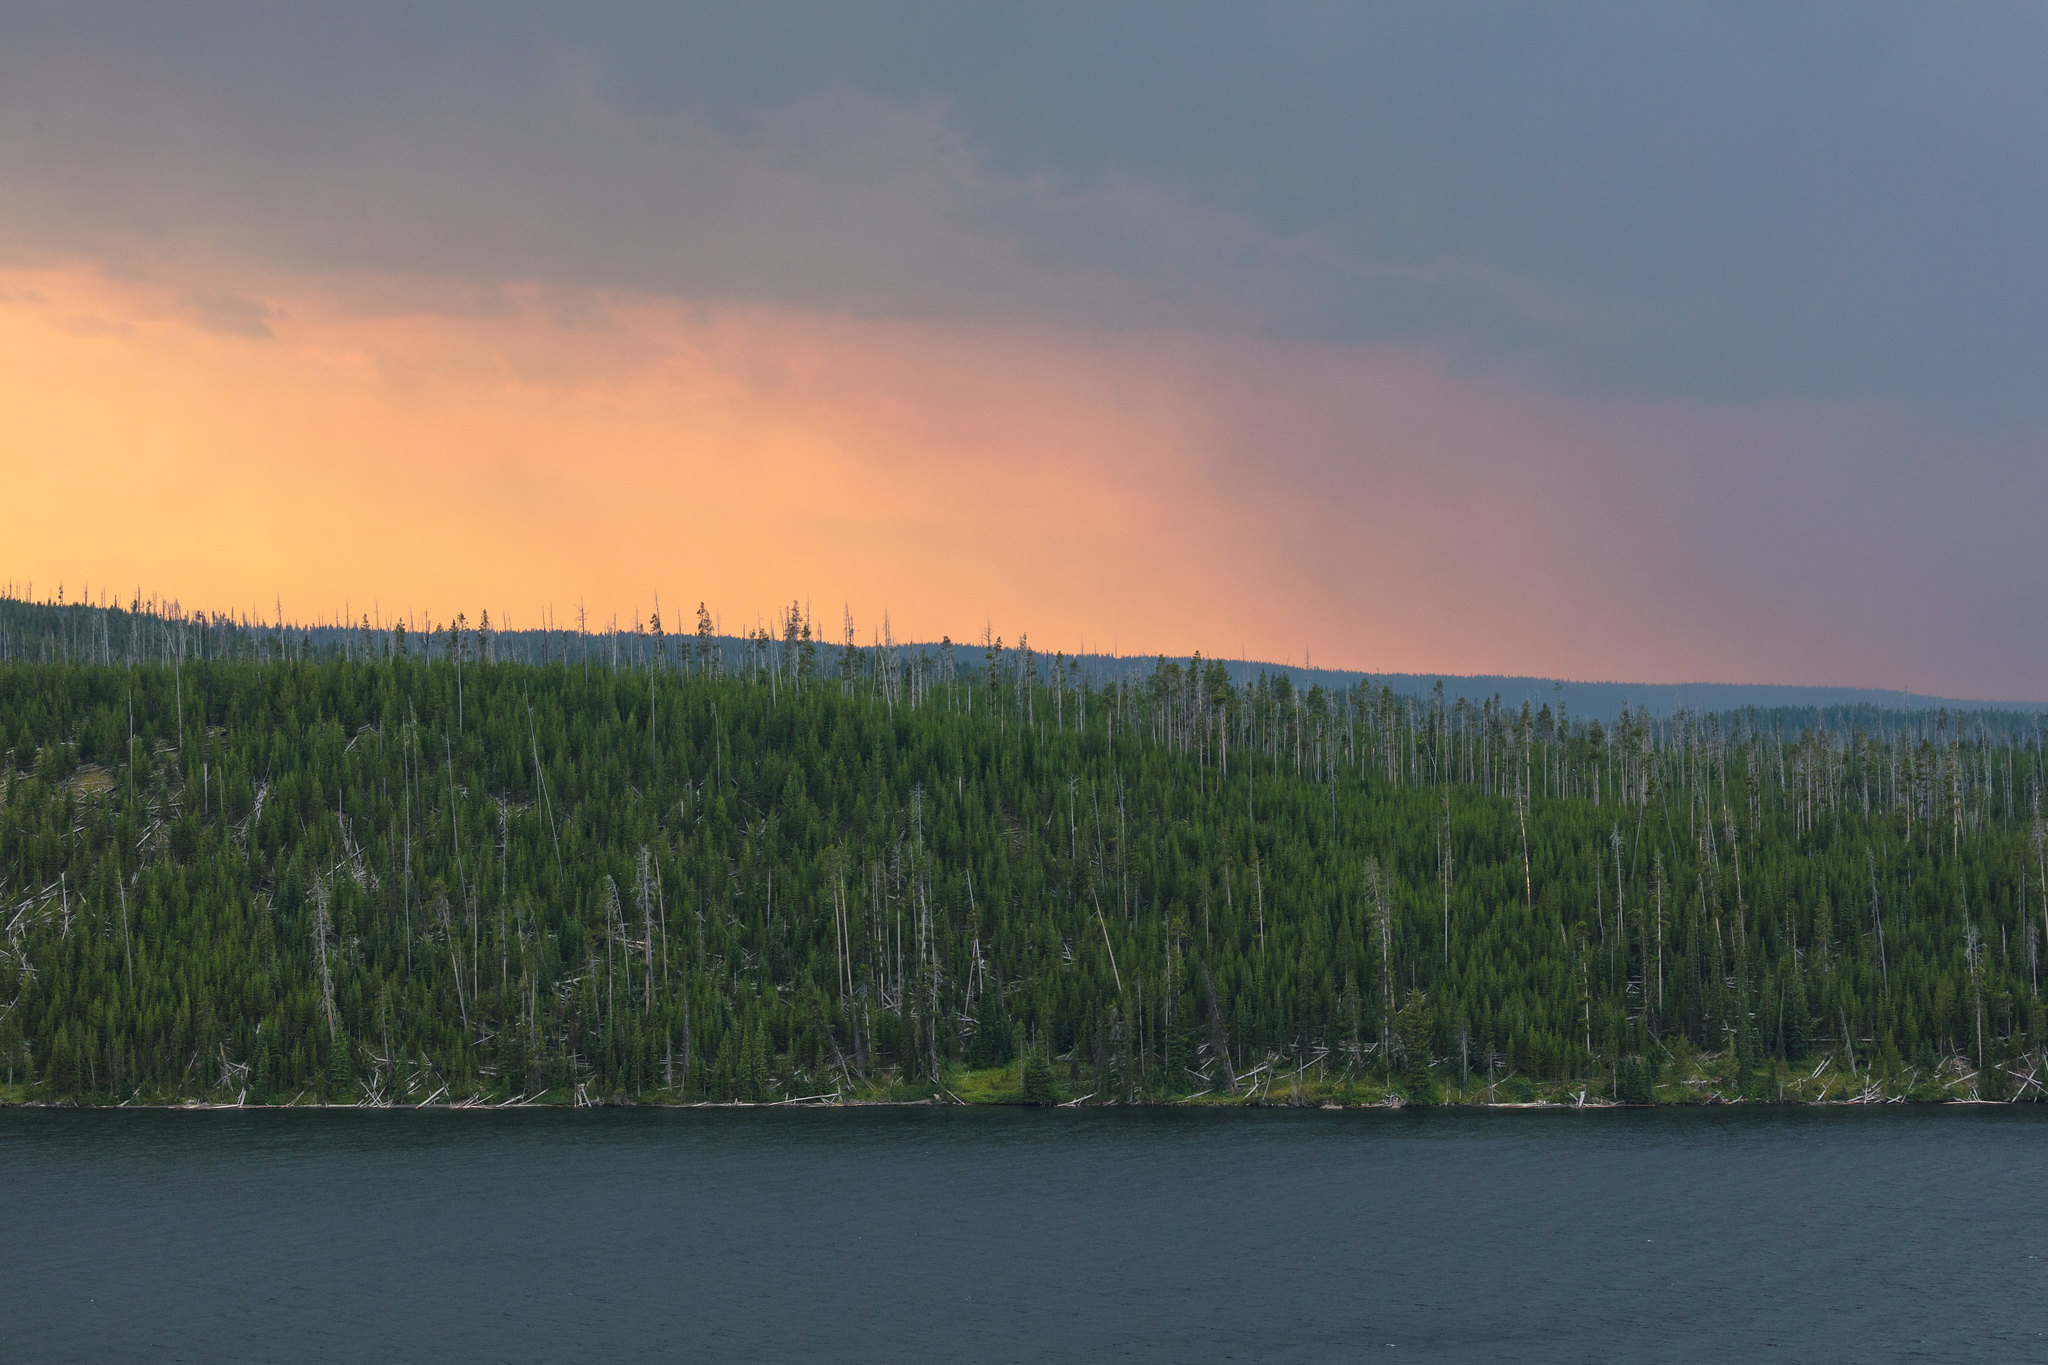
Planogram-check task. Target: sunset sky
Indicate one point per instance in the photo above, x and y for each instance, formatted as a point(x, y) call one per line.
point(1655, 343)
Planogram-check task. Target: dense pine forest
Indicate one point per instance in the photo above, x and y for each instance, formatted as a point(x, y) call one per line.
point(245, 864)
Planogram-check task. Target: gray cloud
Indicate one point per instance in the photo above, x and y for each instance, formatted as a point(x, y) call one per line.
point(221, 310)
point(1721, 202)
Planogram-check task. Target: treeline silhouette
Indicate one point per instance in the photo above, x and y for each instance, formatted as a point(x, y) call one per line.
point(145, 630)
point(243, 863)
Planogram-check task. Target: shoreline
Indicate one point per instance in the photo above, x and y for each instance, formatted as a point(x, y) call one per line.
point(1689, 1081)
point(934, 1102)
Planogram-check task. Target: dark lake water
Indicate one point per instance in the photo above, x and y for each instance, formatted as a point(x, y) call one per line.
point(1009, 1235)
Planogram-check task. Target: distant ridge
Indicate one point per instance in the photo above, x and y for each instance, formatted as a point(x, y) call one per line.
point(1604, 700)
point(1601, 701)
point(31, 630)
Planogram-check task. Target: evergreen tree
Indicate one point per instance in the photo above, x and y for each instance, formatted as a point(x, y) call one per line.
point(1037, 1083)
point(275, 862)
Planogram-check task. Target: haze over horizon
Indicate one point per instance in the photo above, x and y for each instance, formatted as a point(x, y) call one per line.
point(1593, 342)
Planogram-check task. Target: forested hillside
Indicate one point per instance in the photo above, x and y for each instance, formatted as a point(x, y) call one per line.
point(396, 870)
point(52, 631)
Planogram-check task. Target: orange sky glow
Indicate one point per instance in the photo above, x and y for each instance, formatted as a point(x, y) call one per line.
point(346, 446)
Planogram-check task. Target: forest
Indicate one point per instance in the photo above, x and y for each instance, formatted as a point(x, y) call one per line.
point(248, 864)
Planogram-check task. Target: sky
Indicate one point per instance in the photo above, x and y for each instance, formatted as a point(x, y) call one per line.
point(1654, 343)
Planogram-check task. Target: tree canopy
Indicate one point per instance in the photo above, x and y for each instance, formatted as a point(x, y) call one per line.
point(669, 867)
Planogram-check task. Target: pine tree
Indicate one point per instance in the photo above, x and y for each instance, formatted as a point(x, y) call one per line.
point(1037, 1083)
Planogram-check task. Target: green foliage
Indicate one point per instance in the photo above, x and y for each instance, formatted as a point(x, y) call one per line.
point(674, 868)
point(1421, 1089)
point(1637, 1083)
point(1037, 1084)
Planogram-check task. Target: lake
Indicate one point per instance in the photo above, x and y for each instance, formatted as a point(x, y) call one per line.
point(901, 1234)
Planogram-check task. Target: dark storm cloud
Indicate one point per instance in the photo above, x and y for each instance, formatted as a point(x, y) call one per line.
point(1723, 202)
